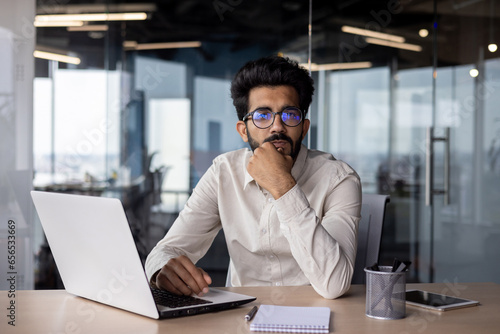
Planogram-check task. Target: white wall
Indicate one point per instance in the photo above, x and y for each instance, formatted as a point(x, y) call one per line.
point(17, 41)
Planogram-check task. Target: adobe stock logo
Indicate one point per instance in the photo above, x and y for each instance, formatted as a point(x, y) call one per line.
point(116, 285)
point(94, 138)
point(153, 77)
point(381, 19)
point(223, 6)
point(85, 312)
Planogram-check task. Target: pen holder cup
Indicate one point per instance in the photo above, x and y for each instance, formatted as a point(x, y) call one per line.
point(385, 293)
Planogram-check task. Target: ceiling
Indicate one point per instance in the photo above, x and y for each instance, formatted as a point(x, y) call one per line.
point(271, 26)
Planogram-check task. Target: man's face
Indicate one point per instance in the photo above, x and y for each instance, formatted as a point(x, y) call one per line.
point(282, 136)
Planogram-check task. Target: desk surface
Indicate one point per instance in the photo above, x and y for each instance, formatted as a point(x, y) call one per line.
point(56, 311)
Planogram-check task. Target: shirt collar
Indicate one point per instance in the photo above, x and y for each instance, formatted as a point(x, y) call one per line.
point(296, 169)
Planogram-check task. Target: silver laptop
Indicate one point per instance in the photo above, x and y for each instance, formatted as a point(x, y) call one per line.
point(95, 253)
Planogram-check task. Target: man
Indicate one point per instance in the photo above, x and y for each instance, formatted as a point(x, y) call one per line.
point(289, 214)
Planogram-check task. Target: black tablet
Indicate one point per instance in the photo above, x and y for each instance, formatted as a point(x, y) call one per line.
point(436, 301)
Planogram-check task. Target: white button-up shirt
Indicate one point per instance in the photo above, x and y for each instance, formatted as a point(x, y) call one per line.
point(307, 236)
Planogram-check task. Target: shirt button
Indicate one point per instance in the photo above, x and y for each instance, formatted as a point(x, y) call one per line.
point(278, 284)
point(264, 231)
point(271, 256)
point(270, 200)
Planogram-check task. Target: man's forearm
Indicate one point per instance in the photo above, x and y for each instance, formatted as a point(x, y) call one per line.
point(325, 251)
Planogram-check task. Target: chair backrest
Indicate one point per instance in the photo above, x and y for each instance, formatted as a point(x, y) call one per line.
point(369, 234)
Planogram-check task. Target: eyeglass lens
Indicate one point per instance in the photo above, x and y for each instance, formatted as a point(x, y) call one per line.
point(263, 118)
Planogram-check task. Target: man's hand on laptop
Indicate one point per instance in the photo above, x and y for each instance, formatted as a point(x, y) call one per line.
point(182, 277)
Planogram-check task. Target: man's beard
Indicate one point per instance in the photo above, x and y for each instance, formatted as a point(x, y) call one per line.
point(278, 136)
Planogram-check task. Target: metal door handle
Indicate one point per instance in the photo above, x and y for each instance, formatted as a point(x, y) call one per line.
point(429, 164)
point(446, 197)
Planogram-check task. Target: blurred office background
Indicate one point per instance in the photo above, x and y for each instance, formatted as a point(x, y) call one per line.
point(137, 106)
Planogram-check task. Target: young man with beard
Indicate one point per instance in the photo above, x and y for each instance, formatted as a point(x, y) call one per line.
point(290, 215)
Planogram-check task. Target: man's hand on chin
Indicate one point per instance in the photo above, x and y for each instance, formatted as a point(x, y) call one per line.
point(271, 168)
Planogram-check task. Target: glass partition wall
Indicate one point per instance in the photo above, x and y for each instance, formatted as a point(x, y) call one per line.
point(421, 125)
point(405, 93)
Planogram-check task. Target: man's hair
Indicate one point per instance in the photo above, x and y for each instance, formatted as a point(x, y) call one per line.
point(271, 71)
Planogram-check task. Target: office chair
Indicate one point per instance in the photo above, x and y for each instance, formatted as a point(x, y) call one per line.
point(369, 234)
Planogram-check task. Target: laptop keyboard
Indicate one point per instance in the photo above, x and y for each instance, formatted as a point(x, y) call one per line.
point(171, 300)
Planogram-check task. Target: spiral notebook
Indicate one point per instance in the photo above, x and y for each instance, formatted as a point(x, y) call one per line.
point(291, 319)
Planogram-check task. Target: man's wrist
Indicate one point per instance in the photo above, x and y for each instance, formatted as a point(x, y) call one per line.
point(283, 188)
point(152, 281)
point(290, 205)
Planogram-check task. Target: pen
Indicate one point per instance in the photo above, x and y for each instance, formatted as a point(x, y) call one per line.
point(250, 314)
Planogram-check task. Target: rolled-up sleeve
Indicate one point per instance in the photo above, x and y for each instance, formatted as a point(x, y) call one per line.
point(323, 240)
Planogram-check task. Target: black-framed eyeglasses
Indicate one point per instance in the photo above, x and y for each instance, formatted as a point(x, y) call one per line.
point(264, 118)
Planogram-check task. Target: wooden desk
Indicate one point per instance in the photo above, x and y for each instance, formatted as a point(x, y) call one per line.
point(55, 311)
